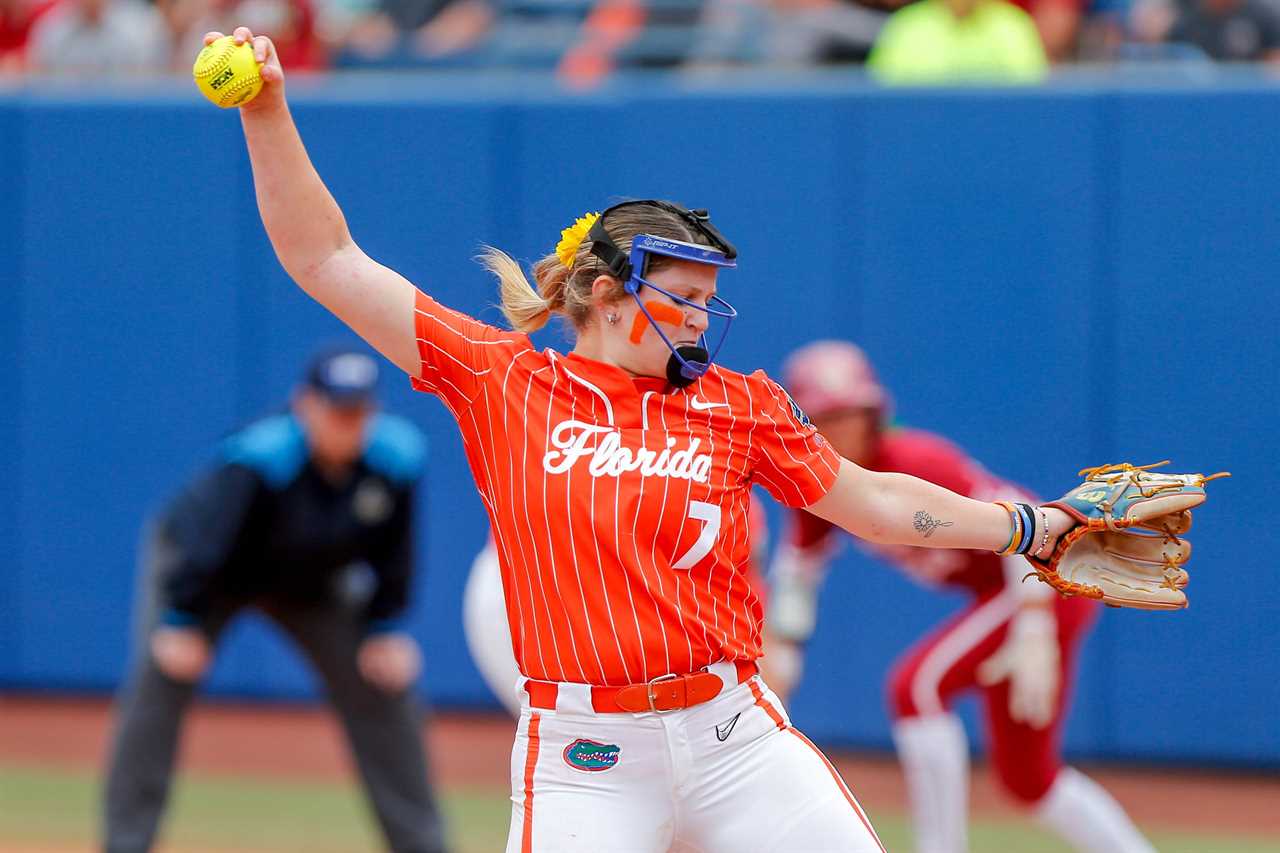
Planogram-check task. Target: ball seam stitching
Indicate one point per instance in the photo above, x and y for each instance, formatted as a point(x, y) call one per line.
point(219, 62)
point(235, 89)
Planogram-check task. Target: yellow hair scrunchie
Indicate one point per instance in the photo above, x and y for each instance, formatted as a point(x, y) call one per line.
point(571, 238)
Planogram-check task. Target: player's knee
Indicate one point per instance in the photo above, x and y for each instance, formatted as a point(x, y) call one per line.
point(1026, 784)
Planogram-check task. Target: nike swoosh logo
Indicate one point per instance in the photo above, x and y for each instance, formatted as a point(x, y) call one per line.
point(724, 729)
point(704, 405)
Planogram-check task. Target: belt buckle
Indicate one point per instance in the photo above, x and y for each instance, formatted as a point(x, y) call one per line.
point(670, 676)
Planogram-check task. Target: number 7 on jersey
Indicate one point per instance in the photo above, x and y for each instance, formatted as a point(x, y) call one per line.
point(709, 515)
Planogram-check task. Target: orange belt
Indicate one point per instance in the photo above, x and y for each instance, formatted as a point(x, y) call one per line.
point(664, 693)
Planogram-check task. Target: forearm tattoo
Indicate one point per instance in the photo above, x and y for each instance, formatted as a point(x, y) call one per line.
point(926, 523)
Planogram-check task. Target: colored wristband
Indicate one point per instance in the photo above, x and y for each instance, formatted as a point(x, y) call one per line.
point(1015, 537)
point(1029, 528)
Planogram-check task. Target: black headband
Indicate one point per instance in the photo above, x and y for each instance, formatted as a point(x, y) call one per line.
point(617, 262)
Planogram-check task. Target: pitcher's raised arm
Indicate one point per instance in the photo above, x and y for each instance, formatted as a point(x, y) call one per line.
point(307, 228)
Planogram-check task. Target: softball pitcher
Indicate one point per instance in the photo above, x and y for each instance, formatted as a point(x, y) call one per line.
point(484, 620)
point(1015, 642)
point(616, 479)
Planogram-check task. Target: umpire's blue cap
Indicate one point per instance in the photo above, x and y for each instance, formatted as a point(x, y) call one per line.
point(346, 376)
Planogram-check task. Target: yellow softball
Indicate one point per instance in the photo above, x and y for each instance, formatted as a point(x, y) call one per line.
point(226, 73)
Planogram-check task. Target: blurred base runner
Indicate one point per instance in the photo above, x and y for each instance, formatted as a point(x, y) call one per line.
point(1014, 643)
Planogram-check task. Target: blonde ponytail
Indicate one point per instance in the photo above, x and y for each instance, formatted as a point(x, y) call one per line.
point(564, 278)
point(526, 309)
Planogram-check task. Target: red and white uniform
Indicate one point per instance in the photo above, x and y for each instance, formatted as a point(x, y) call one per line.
point(619, 512)
point(928, 676)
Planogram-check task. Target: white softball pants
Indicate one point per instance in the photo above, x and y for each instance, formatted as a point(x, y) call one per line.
point(728, 776)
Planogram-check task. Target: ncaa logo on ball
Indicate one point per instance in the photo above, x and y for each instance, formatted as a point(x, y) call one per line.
point(222, 79)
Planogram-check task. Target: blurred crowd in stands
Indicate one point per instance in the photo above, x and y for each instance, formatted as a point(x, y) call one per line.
point(586, 40)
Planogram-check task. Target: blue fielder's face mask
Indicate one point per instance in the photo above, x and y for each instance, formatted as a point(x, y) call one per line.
point(687, 363)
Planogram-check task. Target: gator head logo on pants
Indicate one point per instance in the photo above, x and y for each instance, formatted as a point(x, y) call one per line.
point(590, 756)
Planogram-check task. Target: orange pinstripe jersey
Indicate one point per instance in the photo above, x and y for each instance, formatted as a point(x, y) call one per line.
point(620, 508)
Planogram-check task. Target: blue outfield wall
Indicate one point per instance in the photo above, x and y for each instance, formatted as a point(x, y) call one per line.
point(1052, 278)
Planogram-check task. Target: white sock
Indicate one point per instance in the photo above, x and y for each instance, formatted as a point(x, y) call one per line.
point(934, 754)
point(1087, 817)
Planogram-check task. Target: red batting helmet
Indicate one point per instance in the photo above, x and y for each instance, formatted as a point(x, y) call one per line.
point(827, 376)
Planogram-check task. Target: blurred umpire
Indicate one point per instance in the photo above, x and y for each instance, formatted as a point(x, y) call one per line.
point(307, 517)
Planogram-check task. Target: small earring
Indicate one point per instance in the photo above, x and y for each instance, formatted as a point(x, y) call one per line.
point(612, 318)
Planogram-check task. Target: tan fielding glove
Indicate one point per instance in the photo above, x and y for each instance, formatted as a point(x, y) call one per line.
point(1126, 549)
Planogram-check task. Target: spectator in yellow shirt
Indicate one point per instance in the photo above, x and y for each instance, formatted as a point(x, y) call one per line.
point(968, 41)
